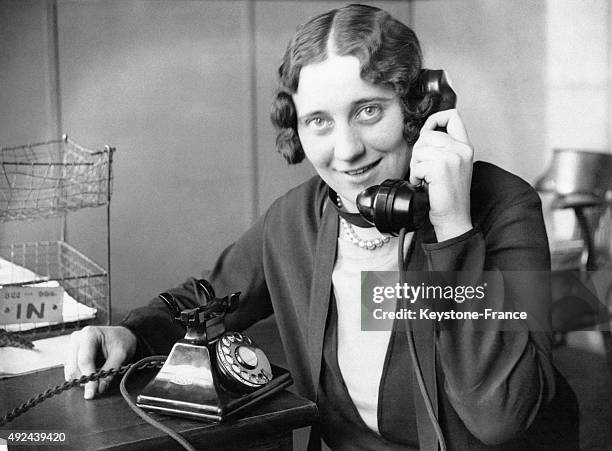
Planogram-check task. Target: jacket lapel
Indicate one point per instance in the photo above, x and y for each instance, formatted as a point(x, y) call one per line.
point(424, 340)
point(320, 292)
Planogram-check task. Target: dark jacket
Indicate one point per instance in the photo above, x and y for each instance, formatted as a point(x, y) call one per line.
point(487, 387)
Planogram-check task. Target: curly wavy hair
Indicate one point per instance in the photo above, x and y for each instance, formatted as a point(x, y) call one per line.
point(389, 54)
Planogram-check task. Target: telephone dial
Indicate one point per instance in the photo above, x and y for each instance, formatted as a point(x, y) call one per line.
point(395, 203)
point(211, 373)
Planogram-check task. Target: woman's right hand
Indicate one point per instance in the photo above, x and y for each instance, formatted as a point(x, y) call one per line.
point(444, 161)
point(116, 344)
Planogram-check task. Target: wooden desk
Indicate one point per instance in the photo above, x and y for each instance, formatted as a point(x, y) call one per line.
point(108, 423)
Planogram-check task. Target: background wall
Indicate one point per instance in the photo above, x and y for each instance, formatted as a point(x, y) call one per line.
point(182, 89)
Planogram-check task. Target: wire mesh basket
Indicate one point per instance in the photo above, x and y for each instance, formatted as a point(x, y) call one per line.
point(55, 263)
point(47, 179)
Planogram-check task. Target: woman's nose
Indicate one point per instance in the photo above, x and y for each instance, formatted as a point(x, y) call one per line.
point(348, 144)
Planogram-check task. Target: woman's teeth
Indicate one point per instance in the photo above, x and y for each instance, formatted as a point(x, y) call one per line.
point(361, 170)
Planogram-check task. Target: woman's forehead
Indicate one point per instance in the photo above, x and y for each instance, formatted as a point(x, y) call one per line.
point(334, 82)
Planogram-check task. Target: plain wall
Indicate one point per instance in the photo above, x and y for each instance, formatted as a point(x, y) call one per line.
point(182, 89)
point(495, 53)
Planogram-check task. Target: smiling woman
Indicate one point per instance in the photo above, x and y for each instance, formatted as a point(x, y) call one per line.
point(349, 102)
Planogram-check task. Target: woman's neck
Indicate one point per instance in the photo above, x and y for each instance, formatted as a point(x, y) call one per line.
point(347, 205)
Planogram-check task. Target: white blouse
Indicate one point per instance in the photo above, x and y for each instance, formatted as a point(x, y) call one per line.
point(361, 354)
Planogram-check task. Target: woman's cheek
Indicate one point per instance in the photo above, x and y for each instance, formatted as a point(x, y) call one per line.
point(318, 150)
point(384, 138)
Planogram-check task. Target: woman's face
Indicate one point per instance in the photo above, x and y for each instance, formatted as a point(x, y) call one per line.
point(351, 130)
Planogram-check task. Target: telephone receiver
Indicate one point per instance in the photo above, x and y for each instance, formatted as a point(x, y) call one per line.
point(211, 373)
point(396, 203)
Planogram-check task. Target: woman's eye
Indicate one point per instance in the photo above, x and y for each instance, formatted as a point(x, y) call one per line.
point(318, 123)
point(369, 113)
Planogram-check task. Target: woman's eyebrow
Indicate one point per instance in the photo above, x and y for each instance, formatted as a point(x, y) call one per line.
point(310, 114)
point(383, 99)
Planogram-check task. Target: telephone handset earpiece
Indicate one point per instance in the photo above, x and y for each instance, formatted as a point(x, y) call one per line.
point(437, 84)
point(397, 204)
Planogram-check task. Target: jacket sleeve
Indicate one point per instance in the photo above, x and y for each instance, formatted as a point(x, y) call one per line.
point(496, 381)
point(239, 268)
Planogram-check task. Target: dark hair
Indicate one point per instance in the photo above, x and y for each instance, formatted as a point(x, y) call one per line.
point(389, 54)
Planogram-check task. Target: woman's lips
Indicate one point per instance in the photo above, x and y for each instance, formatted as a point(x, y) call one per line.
point(361, 170)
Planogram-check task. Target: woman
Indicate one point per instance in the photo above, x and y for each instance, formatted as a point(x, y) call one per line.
point(347, 102)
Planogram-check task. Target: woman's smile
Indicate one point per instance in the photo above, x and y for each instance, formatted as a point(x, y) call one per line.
point(360, 170)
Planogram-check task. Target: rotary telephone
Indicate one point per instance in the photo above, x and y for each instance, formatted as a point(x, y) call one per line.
point(211, 373)
point(395, 203)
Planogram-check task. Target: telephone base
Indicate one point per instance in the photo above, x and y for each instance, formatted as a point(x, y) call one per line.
point(188, 385)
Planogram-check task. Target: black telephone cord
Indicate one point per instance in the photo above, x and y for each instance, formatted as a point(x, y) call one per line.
point(146, 363)
point(156, 359)
point(49, 393)
point(412, 347)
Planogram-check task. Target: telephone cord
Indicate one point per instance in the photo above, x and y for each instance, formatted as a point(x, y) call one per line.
point(49, 393)
point(146, 363)
point(144, 415)
point(412, 348)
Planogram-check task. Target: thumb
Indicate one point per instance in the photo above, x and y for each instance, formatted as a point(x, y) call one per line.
point(114, 360)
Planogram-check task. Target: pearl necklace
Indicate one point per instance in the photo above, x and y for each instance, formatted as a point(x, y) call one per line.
point(356, 239)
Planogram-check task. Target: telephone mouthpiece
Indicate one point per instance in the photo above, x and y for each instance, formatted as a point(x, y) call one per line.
point(393, 205)
point(365, 203)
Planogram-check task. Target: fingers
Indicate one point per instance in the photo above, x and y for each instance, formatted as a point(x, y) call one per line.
point(115, 344)
point(81, 358)
point(115, 359)
point(438, 166)
point(422, 172)
point(86, 358)
point(433, 138)
point(450, 120)
point(436, 145)
point(435, 154)
point(120, 346)
point(70, 364)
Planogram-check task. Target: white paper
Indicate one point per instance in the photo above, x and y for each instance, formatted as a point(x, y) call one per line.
point(47, 353)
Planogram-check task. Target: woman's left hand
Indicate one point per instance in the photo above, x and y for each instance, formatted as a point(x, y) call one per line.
point(444, 161)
